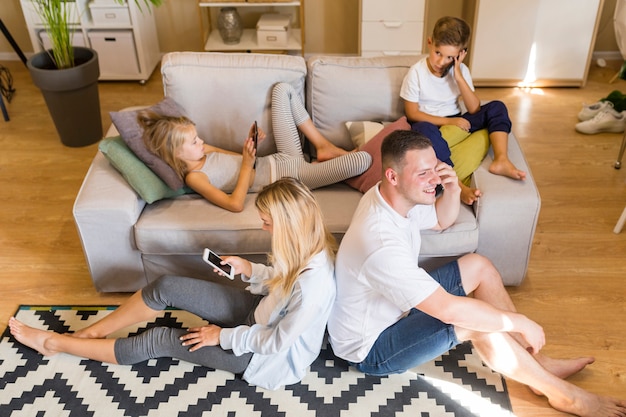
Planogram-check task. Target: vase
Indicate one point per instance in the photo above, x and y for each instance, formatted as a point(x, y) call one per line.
point(229, 25)
point(71, 95)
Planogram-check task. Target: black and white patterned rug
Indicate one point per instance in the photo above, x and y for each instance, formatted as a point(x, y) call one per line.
point(457, 384)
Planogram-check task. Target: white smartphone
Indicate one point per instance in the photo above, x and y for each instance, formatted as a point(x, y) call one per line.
point(214, 260)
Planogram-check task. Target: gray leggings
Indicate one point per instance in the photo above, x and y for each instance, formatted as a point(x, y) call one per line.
point(288, 113)
point(218, 304)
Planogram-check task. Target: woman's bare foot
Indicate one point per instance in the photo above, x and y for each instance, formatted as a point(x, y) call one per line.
point(33, 338)
point(328, 151)
point(506, 168)
point(85, 334)
point(469, 195)
point(586, 404)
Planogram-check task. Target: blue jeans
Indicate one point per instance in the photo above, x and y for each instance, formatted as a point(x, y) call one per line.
point(416, 338)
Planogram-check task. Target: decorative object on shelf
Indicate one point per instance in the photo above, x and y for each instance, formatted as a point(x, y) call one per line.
point(230, 25)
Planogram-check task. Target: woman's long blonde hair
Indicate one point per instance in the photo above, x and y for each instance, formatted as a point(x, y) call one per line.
point(299, 231)
point(164, 136)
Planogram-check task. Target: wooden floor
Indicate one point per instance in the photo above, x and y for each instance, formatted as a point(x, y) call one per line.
point(576, 283)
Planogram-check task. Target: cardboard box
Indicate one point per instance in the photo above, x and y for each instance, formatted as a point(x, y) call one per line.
point(273, 30)
point(109, 16)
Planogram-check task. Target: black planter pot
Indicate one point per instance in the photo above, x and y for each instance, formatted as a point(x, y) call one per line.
point(71, 95)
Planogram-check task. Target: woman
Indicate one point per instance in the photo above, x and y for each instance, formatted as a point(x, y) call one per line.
point(271, 333)
point(224, 178)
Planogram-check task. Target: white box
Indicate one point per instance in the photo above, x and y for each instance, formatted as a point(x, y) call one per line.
point(117, 55)
point(109, 16)
point(272, 30)
point(77, 39)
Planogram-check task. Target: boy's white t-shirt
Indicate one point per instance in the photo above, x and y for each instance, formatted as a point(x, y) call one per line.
point(435, 95)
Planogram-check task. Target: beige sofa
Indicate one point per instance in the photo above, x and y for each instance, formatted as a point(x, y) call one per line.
point(128, 243)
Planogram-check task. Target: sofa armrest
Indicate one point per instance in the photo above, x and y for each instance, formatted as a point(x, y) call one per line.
point(105, 211)
point(507, 216)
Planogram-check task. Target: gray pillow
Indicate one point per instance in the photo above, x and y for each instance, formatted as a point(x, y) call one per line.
point(132, 133)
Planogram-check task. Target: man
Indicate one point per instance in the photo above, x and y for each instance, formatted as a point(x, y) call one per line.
point(390, 315)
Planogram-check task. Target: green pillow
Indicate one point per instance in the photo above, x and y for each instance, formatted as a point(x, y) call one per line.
point(145, 182)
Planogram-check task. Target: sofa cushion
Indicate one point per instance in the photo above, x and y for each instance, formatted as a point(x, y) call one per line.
point(366, 180)
point(141, 178)
point(131, 131)
point(234, 91)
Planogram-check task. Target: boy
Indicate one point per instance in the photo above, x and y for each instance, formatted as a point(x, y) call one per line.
point(432, 89)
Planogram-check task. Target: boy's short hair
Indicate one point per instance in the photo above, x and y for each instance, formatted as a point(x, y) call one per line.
point(452, 31)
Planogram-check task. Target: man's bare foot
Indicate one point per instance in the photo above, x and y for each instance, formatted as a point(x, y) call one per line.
point(469, 195)
point(506, 168)
point(329, 151)
point(563, 368)
point(586, 404)
point(31, 337)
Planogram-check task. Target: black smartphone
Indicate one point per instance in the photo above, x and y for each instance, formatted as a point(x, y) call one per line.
point(255, 138)
point(438, 190)
point(449, 67)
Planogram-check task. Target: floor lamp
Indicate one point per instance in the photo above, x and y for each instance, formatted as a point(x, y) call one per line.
point(19, 52)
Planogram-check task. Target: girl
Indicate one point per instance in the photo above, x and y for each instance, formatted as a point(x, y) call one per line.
point(271, 333)
point(224, 178)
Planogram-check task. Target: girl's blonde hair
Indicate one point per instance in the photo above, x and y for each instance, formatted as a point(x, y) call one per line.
point(299, 231)
point(164, 136)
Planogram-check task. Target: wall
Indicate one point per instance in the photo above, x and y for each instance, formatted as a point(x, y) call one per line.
point(331, 25)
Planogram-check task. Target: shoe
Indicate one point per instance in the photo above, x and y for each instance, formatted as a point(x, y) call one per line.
point(606, 121)
point(590, 110)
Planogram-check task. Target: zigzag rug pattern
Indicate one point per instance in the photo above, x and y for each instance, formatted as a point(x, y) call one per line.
point(456, 384)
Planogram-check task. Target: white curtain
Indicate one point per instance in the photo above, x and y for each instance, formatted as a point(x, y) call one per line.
point(619, 22)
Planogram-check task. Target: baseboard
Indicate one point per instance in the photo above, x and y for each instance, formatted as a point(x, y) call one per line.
point(607, 55)
point(12, 56)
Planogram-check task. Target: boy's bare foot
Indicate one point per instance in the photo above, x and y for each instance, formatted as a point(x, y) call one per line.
point(469, 195)
point(31, 337)
point(329, 151)
point(506, 168)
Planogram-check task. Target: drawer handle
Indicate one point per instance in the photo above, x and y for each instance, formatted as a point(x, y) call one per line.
point(109, 39)
point(392, 24)
point(110, 15)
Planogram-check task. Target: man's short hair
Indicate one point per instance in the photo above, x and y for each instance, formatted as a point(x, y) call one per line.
point(397, 144)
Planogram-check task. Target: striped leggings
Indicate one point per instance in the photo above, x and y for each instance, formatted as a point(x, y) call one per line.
point(288, 113)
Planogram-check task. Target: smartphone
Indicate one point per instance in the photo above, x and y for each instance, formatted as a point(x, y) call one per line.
point(438, 190)
point(449, 67)
point(214, 260)
point(255, 137)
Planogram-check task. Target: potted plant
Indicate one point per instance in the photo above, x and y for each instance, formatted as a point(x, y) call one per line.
point(68, 75)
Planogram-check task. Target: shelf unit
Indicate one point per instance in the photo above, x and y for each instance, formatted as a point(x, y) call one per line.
point(250, 13)
point(391, 27)
point(124, 36)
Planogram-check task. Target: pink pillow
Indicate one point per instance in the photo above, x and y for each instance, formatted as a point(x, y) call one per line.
point(369, 178)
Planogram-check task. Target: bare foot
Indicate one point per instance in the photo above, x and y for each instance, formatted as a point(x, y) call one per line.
point(31, 337)
point(84, 334)
point(329, 151)
point(586, 404)
point(469, 195)
point(506, 168)
point(562, 368)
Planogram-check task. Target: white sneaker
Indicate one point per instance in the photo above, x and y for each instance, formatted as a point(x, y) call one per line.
point(606, 121)
point(590, 110)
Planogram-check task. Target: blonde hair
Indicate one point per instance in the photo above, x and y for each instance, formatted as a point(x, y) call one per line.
point(164, 136)
point(299, 231)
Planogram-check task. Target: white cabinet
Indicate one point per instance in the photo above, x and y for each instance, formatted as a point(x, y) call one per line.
point(533, 42)
point(391, 27)
point(124, 36)
point(251, 12)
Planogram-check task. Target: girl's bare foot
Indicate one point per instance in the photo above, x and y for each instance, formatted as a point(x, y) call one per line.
point(33, 338)
point(469, 195)
point(329, 151)
point(506, 168)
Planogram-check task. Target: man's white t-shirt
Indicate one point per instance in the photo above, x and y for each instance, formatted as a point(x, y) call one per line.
point(378, 278)
point(435, 95)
